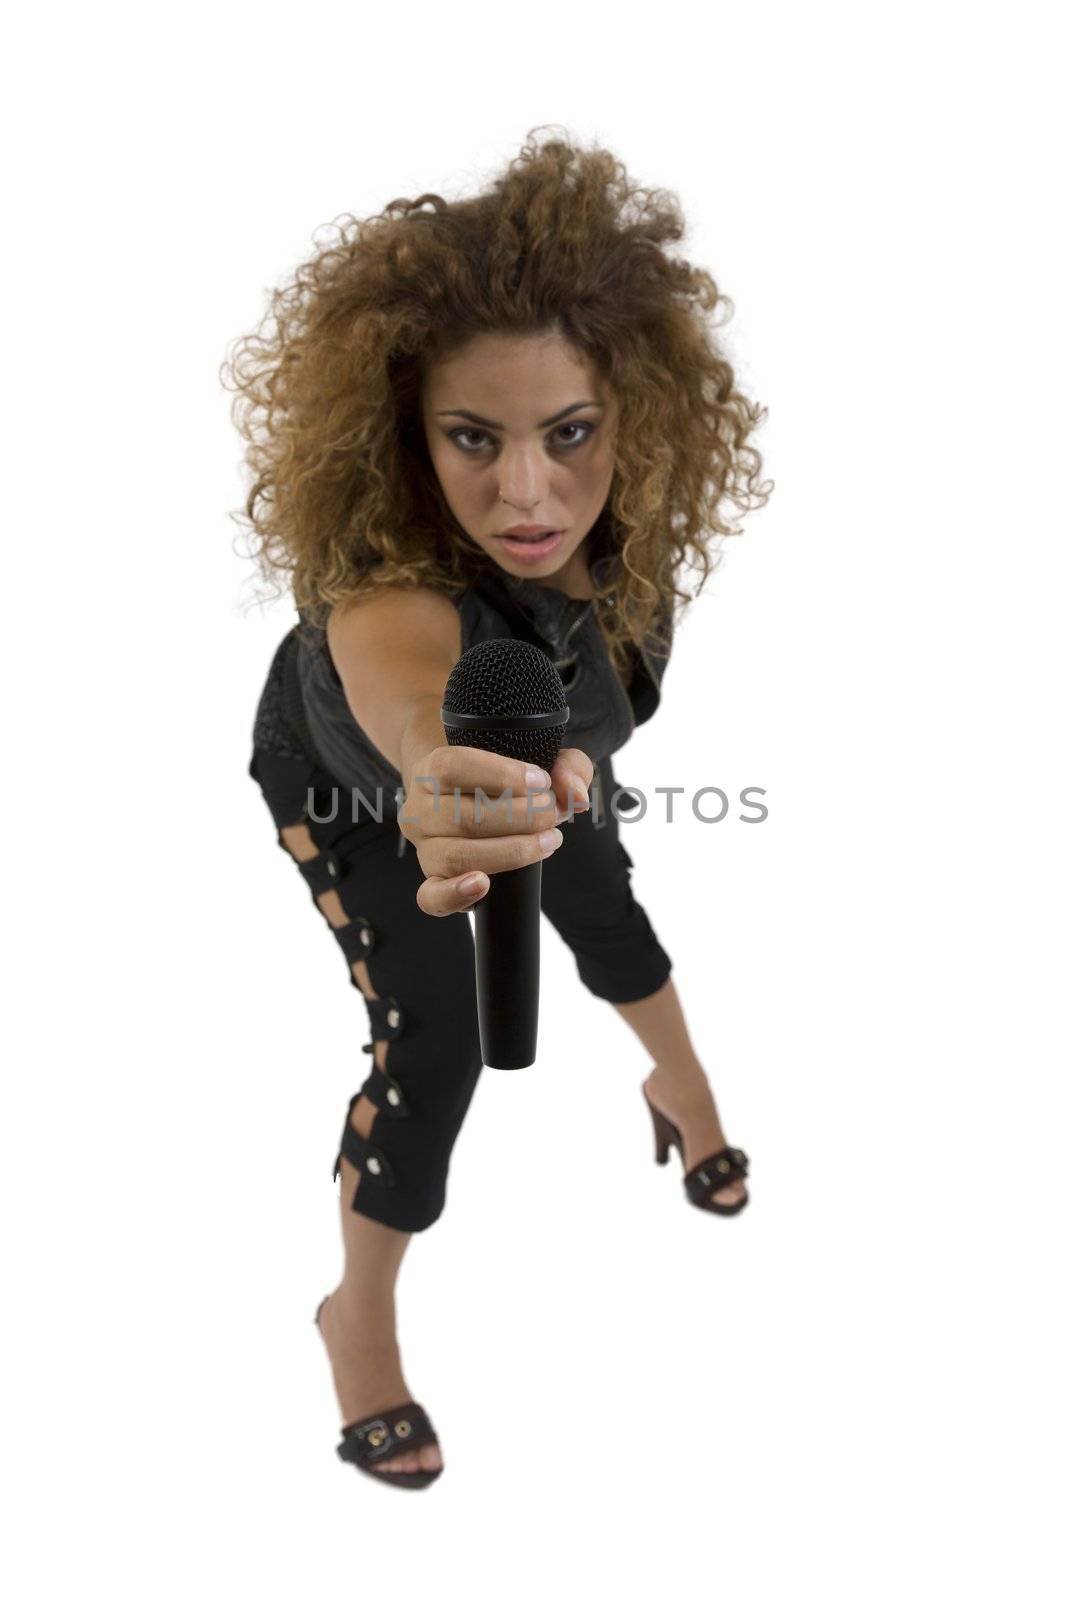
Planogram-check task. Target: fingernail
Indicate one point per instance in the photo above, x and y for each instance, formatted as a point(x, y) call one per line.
point(537, 778)
point(470, 885)
point(581, 793)
point(550, 840)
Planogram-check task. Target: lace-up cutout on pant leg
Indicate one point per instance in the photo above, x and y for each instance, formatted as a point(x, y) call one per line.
point(415, 974)
point(298, 841)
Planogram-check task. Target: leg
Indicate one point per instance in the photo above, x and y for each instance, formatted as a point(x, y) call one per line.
point(358, 1320)
point(586, 894)
point(416, 975)
point(677, 1084)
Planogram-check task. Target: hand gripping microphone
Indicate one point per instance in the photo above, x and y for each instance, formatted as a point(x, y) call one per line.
point(505, 695)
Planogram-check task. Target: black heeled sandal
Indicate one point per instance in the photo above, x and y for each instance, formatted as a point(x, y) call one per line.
point(384, 1434)
point(703, 1181)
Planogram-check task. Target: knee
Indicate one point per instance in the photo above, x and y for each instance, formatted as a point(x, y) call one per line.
point(395, 1152)
point(622, 963)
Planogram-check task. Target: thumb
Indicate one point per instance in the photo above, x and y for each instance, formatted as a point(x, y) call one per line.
point(572, 774)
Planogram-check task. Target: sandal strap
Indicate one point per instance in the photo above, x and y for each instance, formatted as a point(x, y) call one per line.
point(385, 1434)
point(723, 1167)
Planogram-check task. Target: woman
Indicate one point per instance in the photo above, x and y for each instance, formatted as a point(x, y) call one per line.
point(503, 416)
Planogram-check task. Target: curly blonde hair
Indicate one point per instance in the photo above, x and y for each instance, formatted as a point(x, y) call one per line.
point(344, 495)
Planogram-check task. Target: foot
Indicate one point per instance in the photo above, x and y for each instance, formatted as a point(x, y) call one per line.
point(684, 1096)
point(367, 1374)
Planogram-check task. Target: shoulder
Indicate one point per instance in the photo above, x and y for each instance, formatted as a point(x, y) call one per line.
point(399, 615)
point(382, 641)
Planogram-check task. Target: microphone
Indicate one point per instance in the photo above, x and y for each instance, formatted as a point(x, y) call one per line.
point(506, 696)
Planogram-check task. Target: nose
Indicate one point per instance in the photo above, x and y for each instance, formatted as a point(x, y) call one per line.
point(523, 480)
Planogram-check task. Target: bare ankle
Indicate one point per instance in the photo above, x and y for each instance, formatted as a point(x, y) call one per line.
point(682, 1073)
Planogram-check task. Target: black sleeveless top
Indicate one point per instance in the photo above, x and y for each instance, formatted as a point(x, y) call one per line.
point(603, 712)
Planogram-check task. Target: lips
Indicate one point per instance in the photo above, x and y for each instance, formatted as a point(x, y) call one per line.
point(530, 547)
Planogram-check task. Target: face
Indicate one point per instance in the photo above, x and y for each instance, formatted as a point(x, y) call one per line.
point(521, 430)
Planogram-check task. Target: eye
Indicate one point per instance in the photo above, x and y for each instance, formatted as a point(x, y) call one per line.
point(588, 429)
point(457, 434)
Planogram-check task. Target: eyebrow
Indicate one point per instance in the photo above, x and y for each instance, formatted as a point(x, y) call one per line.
point(483, 422)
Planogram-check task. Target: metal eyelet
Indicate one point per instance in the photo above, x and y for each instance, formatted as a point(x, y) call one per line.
point(392, 1017)
point(374, 1165)
point(722, 1164)
point(402, 1429)
point(377, 1436)
point(393, 1096)
point(366, 937)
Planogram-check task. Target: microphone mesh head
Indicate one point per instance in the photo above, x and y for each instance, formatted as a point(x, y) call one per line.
point(506, 678)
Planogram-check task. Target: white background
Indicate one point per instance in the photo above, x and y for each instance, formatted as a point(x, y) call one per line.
point(852, 1388)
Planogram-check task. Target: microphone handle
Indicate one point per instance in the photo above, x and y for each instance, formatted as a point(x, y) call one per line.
point(507, 954)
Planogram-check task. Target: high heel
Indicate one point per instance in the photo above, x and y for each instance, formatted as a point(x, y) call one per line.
point(383, 1434)
point(703, 1181)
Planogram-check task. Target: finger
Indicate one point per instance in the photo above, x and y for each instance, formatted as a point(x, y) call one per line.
point(465, 767)
point(572, 774)
point(441, 897)
point(452, 858)
point(483, 816)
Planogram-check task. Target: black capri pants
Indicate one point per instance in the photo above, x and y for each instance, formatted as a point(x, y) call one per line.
point(420, 967)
